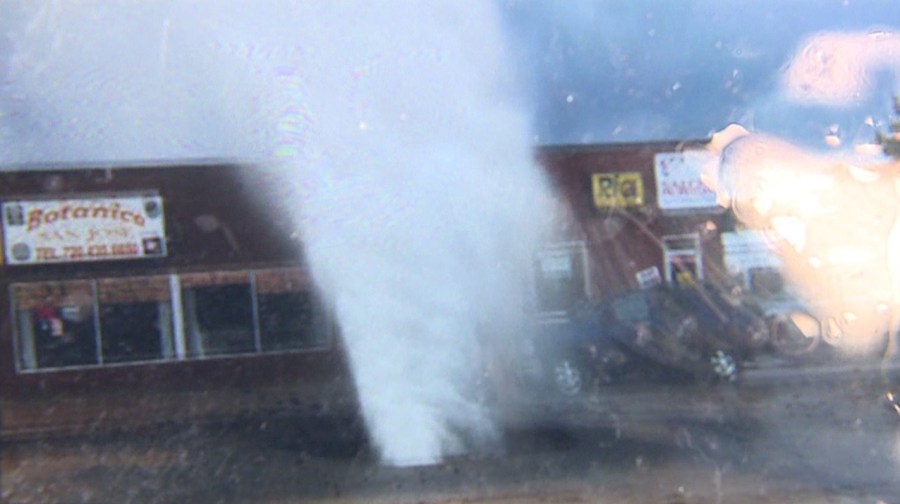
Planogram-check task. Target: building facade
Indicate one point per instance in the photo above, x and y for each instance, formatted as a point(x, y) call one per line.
point(149, 294)
point(629, 216)
point(146, 294)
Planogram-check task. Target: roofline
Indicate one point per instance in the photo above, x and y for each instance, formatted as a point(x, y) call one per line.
point(677, 145)
point(616, 146)
point(126, 164)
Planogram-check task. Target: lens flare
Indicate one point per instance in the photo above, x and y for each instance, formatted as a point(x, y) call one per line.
point(834, 221)
point(834, 68)
point(832, 217)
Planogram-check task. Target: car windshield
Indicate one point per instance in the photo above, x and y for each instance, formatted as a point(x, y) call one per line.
point(443, 251)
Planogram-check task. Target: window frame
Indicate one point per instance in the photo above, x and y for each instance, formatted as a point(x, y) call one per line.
point(577, 251)
point(166, 332)
point(678, 247)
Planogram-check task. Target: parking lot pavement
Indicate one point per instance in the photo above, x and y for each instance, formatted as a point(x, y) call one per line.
point(823, 435)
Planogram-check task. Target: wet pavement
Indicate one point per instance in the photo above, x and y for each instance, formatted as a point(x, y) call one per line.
point(826, 434)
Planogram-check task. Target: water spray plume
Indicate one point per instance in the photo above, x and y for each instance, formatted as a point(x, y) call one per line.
point(420, 207)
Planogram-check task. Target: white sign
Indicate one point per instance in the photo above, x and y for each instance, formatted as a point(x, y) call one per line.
point(678, 183)
point(649, 277)
point(745, 250)
point(86, 229)
point(556, 265)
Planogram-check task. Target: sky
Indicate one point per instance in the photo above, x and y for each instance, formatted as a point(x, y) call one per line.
point(608, 71)
point(589, 71)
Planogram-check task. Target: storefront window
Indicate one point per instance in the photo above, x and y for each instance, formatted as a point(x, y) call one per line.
point(55, 323)
point(135, 319)
point(290, 314)
point(218, 312)
point(766, 282)
point(560, 283)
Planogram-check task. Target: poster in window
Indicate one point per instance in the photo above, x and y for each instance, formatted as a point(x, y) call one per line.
point(649, 277)
point(679, 184)
point(44, 231)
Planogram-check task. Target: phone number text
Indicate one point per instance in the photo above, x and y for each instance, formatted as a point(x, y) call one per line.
point(77, 252)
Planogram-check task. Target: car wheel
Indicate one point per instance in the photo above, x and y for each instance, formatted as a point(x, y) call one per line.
point(568, 378)
point(795, 334)
point(724, 366)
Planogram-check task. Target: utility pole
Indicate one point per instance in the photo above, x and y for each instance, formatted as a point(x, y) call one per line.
point(890, 141)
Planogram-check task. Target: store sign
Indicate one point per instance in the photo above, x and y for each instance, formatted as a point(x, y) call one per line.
point(678, 183)
point(745, 250)
point(624, 189)
point(88, 229)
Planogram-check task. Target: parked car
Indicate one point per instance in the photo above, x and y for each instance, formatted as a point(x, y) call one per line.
point(697, 332)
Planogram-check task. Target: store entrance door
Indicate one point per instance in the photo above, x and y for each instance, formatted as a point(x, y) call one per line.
point(683, 259)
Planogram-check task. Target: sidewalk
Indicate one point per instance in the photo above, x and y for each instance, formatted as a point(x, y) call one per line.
point(770, 369)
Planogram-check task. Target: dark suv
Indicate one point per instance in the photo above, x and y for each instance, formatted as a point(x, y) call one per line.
point(693, 332)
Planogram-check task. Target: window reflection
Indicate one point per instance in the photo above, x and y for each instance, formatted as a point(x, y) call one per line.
point(56, 324)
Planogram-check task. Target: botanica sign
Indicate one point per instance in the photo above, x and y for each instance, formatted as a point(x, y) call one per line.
point(86, 229)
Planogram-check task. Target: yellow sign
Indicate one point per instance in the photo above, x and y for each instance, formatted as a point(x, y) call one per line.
point(625, 189)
